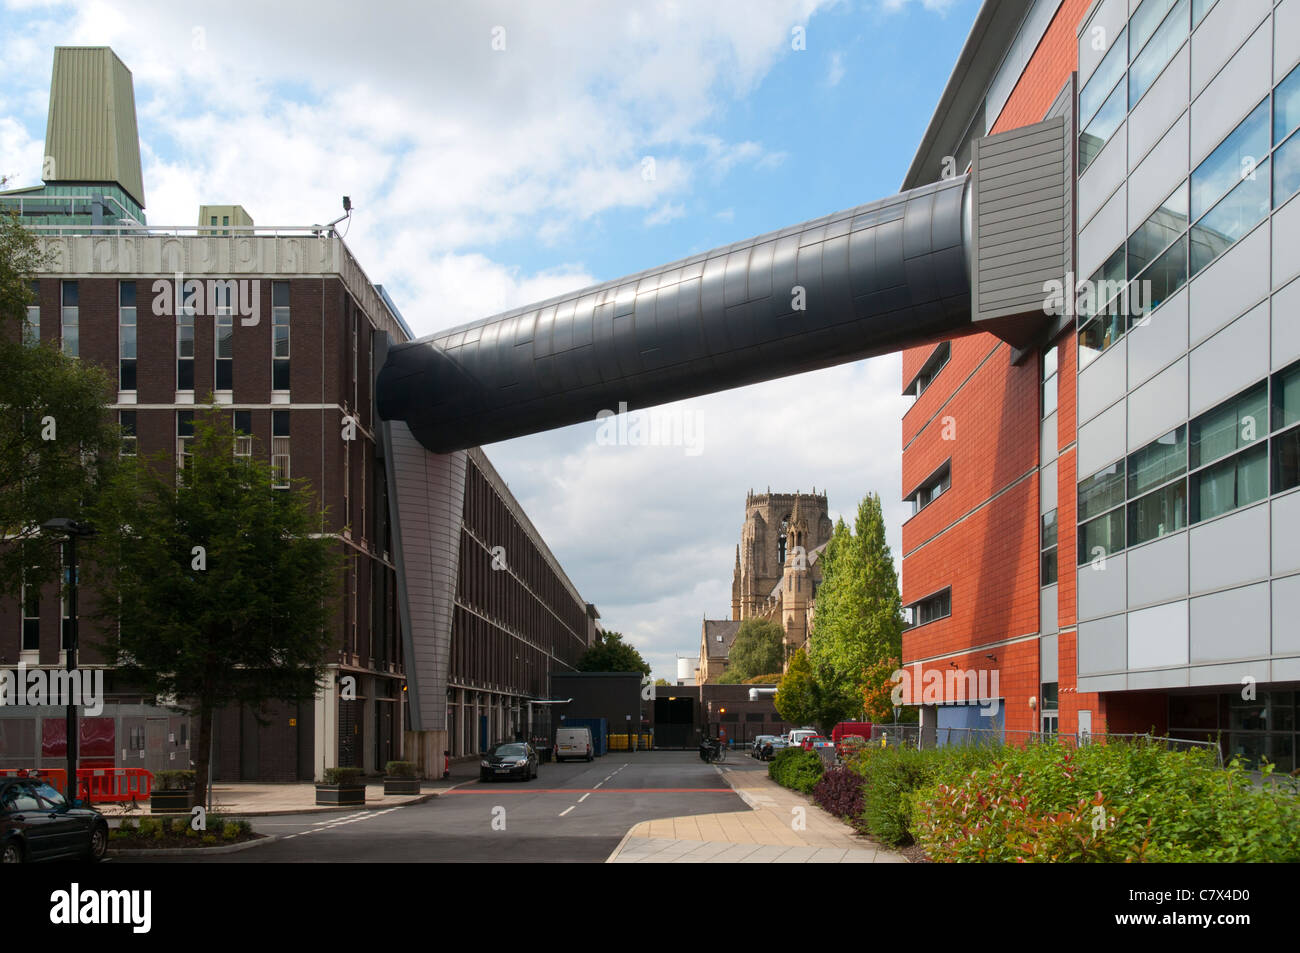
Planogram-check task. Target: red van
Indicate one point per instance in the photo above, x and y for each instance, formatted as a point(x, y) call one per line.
point(862, 728)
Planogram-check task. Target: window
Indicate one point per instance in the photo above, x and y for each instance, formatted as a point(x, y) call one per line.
point(1286, 460)
point(31, 599)
point(185, 347)
point(1234, 424)
point(937, 606)
point(184, 437)
point(243, 433)
point(1164, 42)
point(1229, 434)
point(126, 330)
point(280, 449)
point(280, 335)
point(929, 370)
point(1049, 382)
point(929, 491)
point(1236, 214)
point(1235, 482)
point(1286, 106)
point(1101, 128)
point(1158, 513)
point(70, 318)
point(1243, 150)
point(224, 346)
point(1103, 80)
point(1158, 462)
point(1102, 536)
point(1104, 301)
point(33, 328)
point(1154, 286)
point(126, 421)
point(1158, 232)
point(1199, 9)
point(1102, 490)
point(1286, 170)
point(1148, 16)
point(1047, 540)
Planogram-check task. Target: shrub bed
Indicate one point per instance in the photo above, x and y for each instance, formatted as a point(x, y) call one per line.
point(1106, 802)
point(891, 776)
point(157, 832)
point(839, 792)
point(796, 769)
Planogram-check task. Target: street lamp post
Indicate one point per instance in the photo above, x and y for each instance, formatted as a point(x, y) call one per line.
point(71, 530)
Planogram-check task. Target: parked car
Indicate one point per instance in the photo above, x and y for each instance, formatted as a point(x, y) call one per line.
point(38, 823)
point(772, 748)
point(573, 743)
point(756, 748)
point(797, 735)
point(816, 742)
point(514, 759)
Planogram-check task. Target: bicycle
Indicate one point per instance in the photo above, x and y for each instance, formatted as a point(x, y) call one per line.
point(718, 754)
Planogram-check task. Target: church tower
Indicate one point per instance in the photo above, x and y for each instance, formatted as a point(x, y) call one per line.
point(797, 582)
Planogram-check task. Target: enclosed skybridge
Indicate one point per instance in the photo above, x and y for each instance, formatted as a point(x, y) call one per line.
point(970, 253)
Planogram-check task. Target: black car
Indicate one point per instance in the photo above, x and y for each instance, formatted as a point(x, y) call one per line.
point(514, 759)
point(38, 823)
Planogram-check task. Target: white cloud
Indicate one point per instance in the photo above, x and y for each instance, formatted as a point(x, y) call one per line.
point(835, 72)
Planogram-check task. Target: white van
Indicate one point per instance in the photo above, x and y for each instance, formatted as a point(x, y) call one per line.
point(797, 735)
point(573, 743)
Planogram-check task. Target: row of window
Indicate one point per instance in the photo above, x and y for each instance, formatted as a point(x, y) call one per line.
point(223, 331)
point(1136, 58)
point(936, 362)
point(243, 425)
point(937, 484)
point(1255, 169)
point(1214, 464)
point(937, 606)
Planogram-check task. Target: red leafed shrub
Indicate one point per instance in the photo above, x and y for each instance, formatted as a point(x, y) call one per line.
point(840, 793)
point(993, 820)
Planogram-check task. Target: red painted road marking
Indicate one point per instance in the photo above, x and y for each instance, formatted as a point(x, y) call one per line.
point(485, 789)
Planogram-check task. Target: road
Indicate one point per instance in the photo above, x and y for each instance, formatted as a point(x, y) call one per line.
point(574, 812)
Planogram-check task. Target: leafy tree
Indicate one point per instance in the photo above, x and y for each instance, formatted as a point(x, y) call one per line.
point(216, 588)
point(859, 616)
point(609, 653)
point(663, 682)
point(57, 438)
point(756, 650)
point(802, 699)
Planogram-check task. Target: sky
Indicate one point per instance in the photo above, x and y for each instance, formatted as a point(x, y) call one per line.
point(498, 153)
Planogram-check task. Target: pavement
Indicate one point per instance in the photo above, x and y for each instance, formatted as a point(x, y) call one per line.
point(781, 826)
point(253, 799)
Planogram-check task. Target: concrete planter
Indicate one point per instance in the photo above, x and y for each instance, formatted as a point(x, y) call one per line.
point(403, 786)
point(342, 795)
point(171, 802)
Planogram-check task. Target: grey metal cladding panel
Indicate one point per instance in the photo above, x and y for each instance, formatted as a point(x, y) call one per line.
point(728, 322)
point(1021, 201)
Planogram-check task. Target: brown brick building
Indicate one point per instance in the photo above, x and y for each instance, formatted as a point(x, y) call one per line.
point(453, 612)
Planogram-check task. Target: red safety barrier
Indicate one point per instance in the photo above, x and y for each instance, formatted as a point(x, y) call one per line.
point(94, 784)
point(114, 784)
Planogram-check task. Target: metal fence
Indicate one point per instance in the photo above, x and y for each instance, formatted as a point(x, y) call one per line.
point(911, 736)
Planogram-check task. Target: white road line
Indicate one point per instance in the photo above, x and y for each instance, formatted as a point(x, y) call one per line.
point(567, 809)
point(594, 786)
point(584, 797)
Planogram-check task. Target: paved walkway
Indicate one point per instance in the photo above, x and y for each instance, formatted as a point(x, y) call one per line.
point(260, 799)
point(782, 826)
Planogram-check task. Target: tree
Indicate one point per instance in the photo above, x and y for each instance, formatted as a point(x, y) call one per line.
point(215, 588)
point(58, 441)
point(859, 616)
point(801, 699)
point(757, 650)
point(663, 682)
point(610, 653)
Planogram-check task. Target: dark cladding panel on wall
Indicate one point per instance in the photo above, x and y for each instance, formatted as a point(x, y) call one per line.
point(865, 281)
point(1021, 207)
